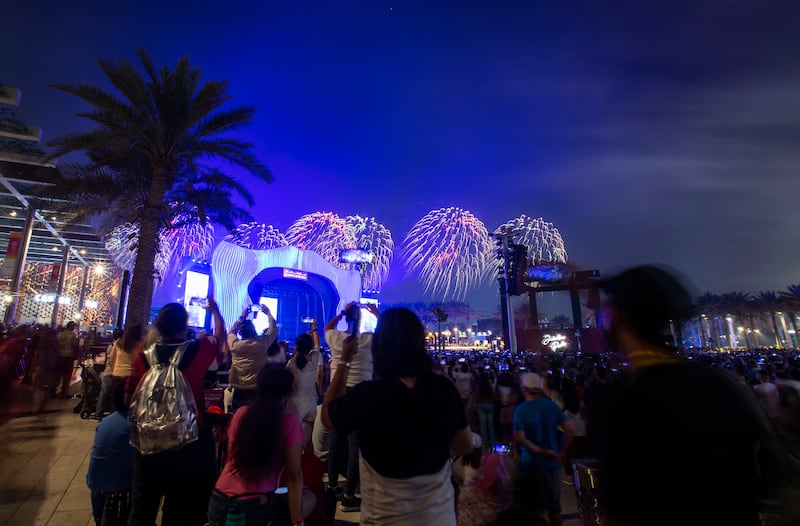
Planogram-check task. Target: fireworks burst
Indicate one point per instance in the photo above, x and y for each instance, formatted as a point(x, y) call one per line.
point(122, 243)
point(377, 239)
point(324, 233)
point(450, 250)
point(190, 239)
point(256, 236)
point(543, 240)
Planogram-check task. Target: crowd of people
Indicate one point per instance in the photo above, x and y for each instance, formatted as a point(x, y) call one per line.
point(448, 437)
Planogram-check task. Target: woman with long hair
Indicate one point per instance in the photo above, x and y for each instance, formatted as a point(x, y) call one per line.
point(119, 364)
point(265, 439)
point(410, 421)
point(304, 366)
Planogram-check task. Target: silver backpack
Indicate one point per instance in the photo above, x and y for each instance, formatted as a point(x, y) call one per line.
point(163, 412)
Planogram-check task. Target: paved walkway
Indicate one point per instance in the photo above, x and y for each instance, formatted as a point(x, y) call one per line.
point(44, 459)
point(43, 463)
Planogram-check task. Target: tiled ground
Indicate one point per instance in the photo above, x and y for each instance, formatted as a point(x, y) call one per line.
point(44, 458)
point(43, 463)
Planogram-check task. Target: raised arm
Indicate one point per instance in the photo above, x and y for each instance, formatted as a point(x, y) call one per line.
point(219, 326)
point(315, 338)
point(315, 333)
point(333, 322)
point(272, 332)
point(338, 385)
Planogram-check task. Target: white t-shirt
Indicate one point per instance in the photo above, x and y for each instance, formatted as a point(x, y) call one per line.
point(424, 499)
point(305, 379)
point(361, 366)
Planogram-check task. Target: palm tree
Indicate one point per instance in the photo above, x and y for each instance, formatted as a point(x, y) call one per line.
point(459, 310)
point(736, 303)
point(708, 305)
point(791, 301)
point(159, 149)
point(752, 310)
point(770, 303)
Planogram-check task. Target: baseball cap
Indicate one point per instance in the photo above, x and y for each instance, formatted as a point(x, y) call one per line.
point(531, 381)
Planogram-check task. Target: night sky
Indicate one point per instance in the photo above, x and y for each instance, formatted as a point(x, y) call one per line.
point(647, 131)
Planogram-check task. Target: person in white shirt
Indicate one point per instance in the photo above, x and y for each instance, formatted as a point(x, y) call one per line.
point(248, 355)
point(305, 366)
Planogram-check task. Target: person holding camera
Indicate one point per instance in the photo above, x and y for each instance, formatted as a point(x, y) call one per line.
point(248, 354)
point(304, 367)
point(360, 370)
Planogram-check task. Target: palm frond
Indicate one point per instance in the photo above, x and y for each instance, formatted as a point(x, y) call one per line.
point(127, 79)
point(223, 121)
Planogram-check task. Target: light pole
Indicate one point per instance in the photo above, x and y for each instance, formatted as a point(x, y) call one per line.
point(503, 240)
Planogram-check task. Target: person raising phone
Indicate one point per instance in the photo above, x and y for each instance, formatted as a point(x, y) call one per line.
point(248, 354)
point(360, 367)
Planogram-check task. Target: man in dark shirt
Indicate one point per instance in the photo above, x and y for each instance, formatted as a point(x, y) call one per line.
point(682, 438)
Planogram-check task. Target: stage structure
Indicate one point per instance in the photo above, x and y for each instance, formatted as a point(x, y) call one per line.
point(556, 277)
point(294, 283)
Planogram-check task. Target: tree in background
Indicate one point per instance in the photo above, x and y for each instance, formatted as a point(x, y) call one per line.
point(791, 301)
point(770, 303)
point(160, 148)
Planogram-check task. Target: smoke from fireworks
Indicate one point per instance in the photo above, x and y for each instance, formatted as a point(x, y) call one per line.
point(543, 240)
point(377, 239)
point(450, 250)
point(256, 236)
point(324, 233)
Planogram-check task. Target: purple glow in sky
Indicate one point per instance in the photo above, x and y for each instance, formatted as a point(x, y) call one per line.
point(644, 131)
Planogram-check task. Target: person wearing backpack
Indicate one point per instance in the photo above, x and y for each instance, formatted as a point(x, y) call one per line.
point(180, 468)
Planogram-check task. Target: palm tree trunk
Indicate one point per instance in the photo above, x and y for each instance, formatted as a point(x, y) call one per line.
point(793, 320)
point(141, 294)
point(775, 330)
point(703, 339)
point(785, 331)
point(740, 323)
point(754, 330)
point(718, 333)
point(731, 333)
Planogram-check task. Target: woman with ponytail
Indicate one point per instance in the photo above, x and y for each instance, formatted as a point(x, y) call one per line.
point(304, 366)
point(265, 439)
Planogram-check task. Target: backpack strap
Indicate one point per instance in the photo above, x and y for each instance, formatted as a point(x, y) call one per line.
point(178, 354)
point(149, 355)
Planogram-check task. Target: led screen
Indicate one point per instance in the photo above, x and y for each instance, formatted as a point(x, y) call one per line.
point(194, 292)
point(260, 320)
point(368, 320)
